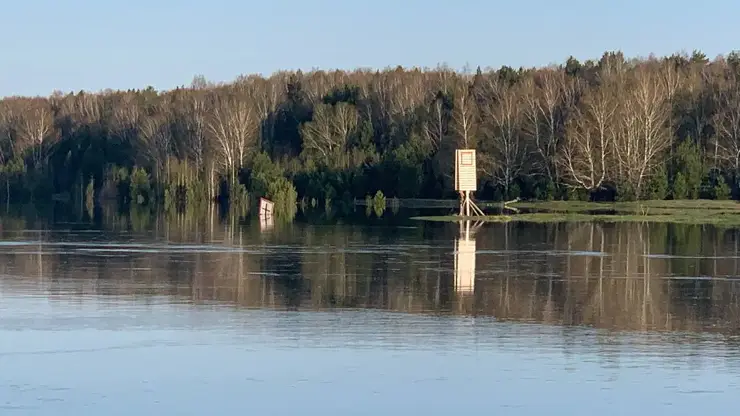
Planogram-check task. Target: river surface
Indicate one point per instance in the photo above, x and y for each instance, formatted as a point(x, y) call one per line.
point(204, 318)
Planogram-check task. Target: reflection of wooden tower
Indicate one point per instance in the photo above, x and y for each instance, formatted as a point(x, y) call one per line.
point(266, 214)
point(466, 181)
point(465, 259)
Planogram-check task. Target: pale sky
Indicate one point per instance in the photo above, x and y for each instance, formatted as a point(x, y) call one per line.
point(71, 45)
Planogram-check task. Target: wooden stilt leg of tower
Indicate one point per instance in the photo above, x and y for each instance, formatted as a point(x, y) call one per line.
point(467, 206)
point(478, 211)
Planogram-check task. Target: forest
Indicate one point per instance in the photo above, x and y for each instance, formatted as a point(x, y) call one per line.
point(611, 128)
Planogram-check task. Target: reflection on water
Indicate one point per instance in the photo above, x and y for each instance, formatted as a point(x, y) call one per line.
point(618, 276)
point(197, 317)
point(465, 258)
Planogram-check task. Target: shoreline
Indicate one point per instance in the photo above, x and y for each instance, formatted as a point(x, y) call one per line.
point(699, 212)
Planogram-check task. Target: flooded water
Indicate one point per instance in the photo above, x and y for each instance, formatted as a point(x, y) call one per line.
point(196, 318)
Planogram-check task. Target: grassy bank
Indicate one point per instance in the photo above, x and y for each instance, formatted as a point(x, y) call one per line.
point(724, 213)
point(640, 207)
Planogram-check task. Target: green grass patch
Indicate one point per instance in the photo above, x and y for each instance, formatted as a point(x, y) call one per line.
point(719, 213)
point(718, 219)
point(640, 207)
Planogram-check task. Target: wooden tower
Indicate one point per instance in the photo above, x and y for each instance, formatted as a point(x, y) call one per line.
point(466, 181)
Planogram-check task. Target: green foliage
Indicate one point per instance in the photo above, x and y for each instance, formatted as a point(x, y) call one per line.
point(545, 190)
point(170, 197)
point(283, 194)
point(577, 194)
point(328, 209)
point(15, 166)
point(680, 187)
point(379, 203)
point(262, 173)
point(119, 174)
point(239, 200)
point(515, 191)
point(117, 184)
point(194, 195)
point(658, 185)
point(90, 196)
point(404, 167)
point(141, 190)
point(626, 192)
point(140, 217)
point(721, 189)
point(688, 162)
point(12, 172)
point(266, 179)
point(715, 186)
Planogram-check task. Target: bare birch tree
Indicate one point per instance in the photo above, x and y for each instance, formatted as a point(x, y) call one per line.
point(698, 113)
point(196, 113)
point(502, 153)
point(266, 95)
point(8, 123)
point(726, 120)
point(545, 97)
point(672, 78)
point(87, 108)
point(35, 130)
point(588, 141)
point(329, 131)
point(156, 142)
point(234, 125)
point(127, 118)
point(464, 116)
point(435, 125)
point(644, 131)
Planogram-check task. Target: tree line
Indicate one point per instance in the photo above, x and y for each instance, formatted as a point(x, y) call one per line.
point(606, 129)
